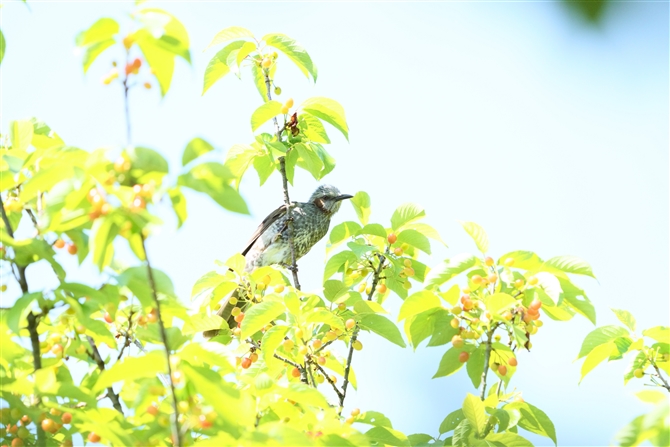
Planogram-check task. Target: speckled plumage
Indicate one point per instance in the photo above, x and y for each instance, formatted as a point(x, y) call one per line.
point(270, 242)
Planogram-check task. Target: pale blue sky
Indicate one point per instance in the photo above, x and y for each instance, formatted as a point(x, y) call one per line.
point(550, 134)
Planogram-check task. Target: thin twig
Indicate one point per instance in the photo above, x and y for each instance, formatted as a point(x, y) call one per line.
point(487, 358)
point(287, 361)
point(97, 358)
point(660, 376)
point(176, 433)
point(337, 391)
point(287, 200)
point(354, 336)
point(33, 319)
point(126, 101)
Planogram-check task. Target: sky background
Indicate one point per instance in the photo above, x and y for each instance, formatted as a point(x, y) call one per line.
point(551, 134)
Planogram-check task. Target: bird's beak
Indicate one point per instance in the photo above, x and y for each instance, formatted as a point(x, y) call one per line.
point(342, 197)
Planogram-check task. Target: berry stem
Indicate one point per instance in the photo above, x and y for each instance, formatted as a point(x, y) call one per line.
point(97, 358)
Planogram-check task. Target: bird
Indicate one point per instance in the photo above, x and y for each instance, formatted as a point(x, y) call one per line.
point(269, 245)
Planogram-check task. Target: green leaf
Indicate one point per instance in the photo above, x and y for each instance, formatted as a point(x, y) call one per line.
point(451, 421)
point(448, 269)
point(16, 315)
point(499, 302)
point(387, 436)
point(212, 179)
point(20, 134)
point(260, 315)
point(534, 420)
point(217, 67)
point(462, 434)
point(406, 213)
point(361, 204)
point(477, 234)
point(97, 39)
point(230, 33)
point(272, 338)
point(132, 368)
point(600, 336)
point(342, 232)
point(265, 113)
point(571, 293)
point(626, 318)
point(178, 204)
point(658, 333)
point(101, 241)
point(508, 439)
point(313, 128)
point(382, 326)
point(417, 303)
point(474, 412)
point(526, 260)
point(415, 239)
point(322, 315)
point(201, 323)
point(308, 160)
point(194, 149)
point(303, 394)
point(449, 363)
point(238, 159)
point(475, 365)
point(327, 110)
point(595, 357)
point(166, 31)
point(568, 264)
point(294, 51)
point(373, 229)
point(3, 45)
point(137, 280)
point(264, 166)
point(336, 262)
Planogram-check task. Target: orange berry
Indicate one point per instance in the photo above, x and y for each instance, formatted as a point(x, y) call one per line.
point(239, 317)
point(152, 409)
point(295, 372)
point(535, 305)
point(48, 425)
point(108, 318)
point(488, 261)
point(350, 323)
point(381, 288)
point(321, 360)
point(93, 437)
point(397, 251)
point(72, 249)
point(463, 357)
point(17, 442)
point(66, 418)
point(512, 361)
point(391, 238)
point(246, 362)
point(266, 63)
point(476, 279)
point(502, 370)
point(253, 357)
point(60, 243)
point(457, 341)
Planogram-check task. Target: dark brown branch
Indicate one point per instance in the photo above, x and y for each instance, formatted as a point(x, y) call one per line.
point(337, 391)
point(287, 200)
point(33, 319)
point(97, 358)
point(354, 336)
point(487, 359)
point(176, 433)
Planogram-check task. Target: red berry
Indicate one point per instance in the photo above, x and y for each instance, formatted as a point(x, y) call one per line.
point(94, 437)
point(72, 249)
point(246, 362)
point(392, 238)
point(66, 418)
point(463, 357)
point(295, 372)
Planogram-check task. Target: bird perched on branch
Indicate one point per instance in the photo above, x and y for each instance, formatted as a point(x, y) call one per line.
point(270, 242)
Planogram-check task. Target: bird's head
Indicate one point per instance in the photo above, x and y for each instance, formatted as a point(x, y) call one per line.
point(327, 198)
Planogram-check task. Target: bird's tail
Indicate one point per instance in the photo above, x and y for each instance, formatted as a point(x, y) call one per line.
point(226, 309)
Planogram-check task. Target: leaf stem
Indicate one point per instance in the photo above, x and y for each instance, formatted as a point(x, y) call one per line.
point(176, 433)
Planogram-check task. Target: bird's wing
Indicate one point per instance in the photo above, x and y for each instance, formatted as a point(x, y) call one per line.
point(267, 223)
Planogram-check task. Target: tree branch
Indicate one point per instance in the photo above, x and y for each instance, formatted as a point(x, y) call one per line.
point(33, 319)
point(337, 391)
point(97, 358)
point(287, 200)
point(660, 376)
point(354, 336)
point(176, 433)
point(487, 359)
